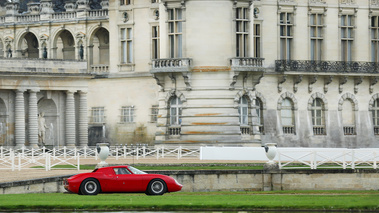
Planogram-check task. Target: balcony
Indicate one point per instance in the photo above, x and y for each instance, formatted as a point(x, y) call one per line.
point(247, 64)
point(171, 65)
point(326, 66)
point(31, 66)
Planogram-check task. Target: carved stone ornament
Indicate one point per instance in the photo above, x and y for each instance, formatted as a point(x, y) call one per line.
point(281, 80)
point(312, 79)
point(8, 40)
point(357, 81)
point(44, 38)
point(80, 37)
point(343, 81)
point(296, 81)
point(327, 81)
point(317, 1)
point(375, 3)
point(348, 2)
point(104, 4)
point(373, 81)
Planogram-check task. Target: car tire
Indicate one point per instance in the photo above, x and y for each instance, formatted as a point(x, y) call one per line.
point(156, 187)
point(90, 186)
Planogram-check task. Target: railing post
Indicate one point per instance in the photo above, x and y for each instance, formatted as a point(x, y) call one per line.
point(96, 154)
point(352, 159)
point(179, 152)
point(12, 159)
point(78, 165)
point(313, 163)
point(19, 161)
point(163, 151)
point(1, 152)
point(85, 151)
point(144, 151)
point(137, 152)
point(116, 153)
point(375, 165)
point(124, 151)
point(64, 152)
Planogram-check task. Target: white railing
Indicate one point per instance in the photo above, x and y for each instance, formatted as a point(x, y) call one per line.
point(316, 158)
point(25, 158)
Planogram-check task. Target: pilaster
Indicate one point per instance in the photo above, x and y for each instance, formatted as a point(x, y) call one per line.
point(83, 119)
point(70, 119)
point(33, 119)
point(20, 119)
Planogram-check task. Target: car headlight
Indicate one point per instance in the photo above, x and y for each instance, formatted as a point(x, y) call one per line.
point(177, 182)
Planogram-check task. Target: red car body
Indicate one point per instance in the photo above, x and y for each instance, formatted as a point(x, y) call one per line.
point(120, 179)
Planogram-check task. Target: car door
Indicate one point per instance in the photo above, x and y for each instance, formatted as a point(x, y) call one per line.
point(126, 181)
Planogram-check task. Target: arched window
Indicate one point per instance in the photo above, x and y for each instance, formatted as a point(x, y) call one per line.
point(288, 118)
point(348, 118)
point(243, 111)
point(259, 111)
point(318, 117)
point(175, 111)
point(375, 116)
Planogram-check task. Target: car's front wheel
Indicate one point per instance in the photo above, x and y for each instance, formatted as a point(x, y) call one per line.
point(90, 186)
point(156, 187)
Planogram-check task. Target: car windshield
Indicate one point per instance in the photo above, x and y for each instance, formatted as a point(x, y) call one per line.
point(135, 171)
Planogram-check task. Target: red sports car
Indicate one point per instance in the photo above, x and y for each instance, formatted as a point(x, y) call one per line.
point(120, 179)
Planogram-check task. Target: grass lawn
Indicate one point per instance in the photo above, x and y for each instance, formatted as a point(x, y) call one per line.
point(227, 201)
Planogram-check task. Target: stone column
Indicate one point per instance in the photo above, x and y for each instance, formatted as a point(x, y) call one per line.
point(33, 119)
point(20, 119)
point(83, 119)
point(70, 119)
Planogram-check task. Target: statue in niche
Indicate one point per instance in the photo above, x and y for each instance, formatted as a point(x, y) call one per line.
point(41, 128)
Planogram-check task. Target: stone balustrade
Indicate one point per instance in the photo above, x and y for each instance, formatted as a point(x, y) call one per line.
point(28, 65)
point(246, 64)
point(100, 68)
point(63, 16)
point(171, 65)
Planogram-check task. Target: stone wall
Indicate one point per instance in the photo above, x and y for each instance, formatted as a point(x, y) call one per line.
point(231, 180)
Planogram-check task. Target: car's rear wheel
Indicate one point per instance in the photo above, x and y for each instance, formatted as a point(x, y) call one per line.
point(156, 187)
point(90, 186)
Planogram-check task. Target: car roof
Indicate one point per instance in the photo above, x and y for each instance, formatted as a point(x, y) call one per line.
point(111, 167)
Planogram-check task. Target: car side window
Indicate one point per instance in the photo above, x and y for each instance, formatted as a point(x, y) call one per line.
point(121, 171)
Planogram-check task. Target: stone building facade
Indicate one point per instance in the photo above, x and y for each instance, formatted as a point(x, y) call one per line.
point(210, 72)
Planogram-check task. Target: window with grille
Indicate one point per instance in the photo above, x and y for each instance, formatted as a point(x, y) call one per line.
point(155, 42)
point(175, 111)
point(242, 32)
point(347, 37)
point(288, 117)
point(375, 116)
point(375, 38)
point(316, 27)
point(243, 111)
point(97, 115)
point(259, 112)
point(126, 45)
point(318, 117)
point(257, 40)
point(127, 114)
point(175, 32)
point(286, 36)
point(154, 113)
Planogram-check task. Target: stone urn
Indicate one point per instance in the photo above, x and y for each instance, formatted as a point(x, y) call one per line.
point(103, 152)
point(270, 149)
